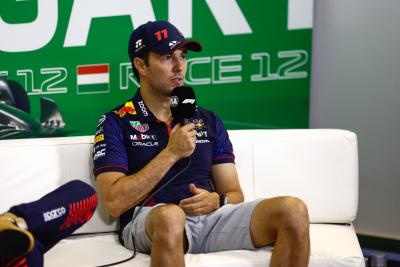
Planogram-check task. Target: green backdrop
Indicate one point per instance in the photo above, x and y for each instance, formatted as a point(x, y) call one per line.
point(256, 77)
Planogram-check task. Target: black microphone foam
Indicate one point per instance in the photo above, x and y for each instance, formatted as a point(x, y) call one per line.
point(183, 103)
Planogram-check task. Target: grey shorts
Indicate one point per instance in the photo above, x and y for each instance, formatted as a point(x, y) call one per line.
point(227, 228)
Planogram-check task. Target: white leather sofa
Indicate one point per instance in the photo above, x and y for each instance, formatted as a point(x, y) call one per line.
point(318, 166)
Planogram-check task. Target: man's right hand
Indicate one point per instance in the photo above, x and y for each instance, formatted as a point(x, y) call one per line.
point(182, 140)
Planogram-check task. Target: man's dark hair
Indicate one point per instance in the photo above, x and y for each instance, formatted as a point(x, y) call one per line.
point(145, 58)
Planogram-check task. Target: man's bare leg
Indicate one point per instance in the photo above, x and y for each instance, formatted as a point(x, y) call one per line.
point(283, 221)
point(165, 226)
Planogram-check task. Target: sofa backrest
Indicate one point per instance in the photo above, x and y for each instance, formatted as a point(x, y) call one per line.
point(318, 166)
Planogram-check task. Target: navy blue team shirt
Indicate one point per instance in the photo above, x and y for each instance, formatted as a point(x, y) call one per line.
point(129, 136)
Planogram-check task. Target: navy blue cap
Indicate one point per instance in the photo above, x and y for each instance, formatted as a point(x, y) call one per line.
point(160, 37)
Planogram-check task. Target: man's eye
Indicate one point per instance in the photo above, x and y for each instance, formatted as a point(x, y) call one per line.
point(183, 56)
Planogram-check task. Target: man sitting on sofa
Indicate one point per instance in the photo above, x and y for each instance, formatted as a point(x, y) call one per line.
point(28, 230)
point(176, 191)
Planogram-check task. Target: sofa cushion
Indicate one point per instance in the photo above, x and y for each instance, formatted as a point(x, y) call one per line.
point(331, 246)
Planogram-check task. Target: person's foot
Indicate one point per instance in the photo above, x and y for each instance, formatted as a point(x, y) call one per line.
point(15, 239)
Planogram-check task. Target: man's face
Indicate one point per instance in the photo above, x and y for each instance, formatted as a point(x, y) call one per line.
point(166, 71)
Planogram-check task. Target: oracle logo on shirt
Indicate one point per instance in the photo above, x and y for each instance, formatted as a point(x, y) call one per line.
point(144, 143)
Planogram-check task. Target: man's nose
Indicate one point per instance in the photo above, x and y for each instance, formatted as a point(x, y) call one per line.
point(178, 66)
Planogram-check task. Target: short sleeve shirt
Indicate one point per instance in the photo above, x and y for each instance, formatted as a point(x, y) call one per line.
point(129, 136)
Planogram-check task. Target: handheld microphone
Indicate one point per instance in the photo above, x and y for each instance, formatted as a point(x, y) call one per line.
point(183, 104)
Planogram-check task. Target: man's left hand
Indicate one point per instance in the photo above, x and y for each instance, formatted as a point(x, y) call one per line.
point(202, 203)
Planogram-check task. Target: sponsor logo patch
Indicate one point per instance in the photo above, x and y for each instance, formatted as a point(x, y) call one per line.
point(54, 214)
point(99, 154)
point(172, 44)
point(200, 134)
point(96, 147)
point(148, 144)
point(143, 108)
point(141, 137)
point(101, 120)
point(139, 45)
point(100, 145)
point(129, 108)
point(99, 138)
point(202, 141)
point(141, 127)
point(199, 123)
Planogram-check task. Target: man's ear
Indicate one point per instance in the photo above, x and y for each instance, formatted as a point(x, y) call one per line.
point(139, 65)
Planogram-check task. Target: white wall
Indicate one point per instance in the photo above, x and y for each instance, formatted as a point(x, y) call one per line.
point(356, 86)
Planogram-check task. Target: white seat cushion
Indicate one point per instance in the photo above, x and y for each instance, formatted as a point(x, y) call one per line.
point(331, 246)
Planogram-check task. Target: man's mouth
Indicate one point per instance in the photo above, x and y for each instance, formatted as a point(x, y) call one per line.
point(177, 81)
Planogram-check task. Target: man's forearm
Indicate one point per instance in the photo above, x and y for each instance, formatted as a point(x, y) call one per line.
point(129, 190)
point(121, 192)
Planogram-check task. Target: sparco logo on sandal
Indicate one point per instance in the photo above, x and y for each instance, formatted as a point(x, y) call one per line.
point(54, 214)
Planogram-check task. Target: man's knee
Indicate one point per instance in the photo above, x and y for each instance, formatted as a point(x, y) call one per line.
point(166, 222)
point(287, 212)
point(292, 213)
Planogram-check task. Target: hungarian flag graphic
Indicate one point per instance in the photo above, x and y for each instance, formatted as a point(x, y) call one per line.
point(93, 78)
